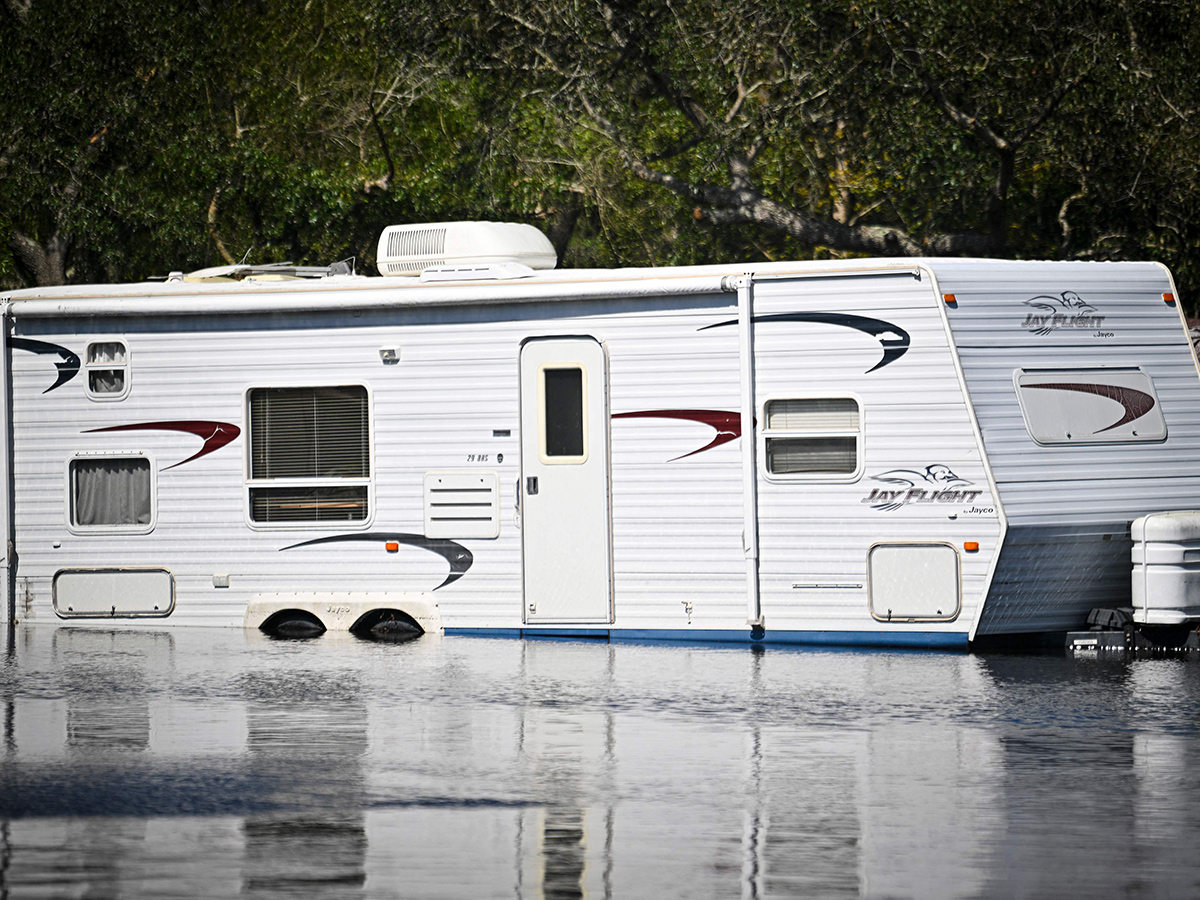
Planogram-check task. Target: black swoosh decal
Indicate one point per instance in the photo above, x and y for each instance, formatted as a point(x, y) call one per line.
point(456, 554)
point(893, 347)
point(67, 369)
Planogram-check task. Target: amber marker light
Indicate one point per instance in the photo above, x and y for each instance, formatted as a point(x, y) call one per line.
point(971, 546)
point(950, 299)
point(1168, 298)
point(392, 546)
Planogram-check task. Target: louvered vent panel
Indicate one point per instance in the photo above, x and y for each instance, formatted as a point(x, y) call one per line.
point(462, 505)
point(412, 251)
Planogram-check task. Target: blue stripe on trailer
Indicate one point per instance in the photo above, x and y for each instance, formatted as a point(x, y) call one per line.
point(930, 640)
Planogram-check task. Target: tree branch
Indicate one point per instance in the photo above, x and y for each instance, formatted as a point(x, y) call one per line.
point(1064, 245)
point(981, 130)
point(212, 229)
point(381, 184)
point(18, 9)
point(1048, 109)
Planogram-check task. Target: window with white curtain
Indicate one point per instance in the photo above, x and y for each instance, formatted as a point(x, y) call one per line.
point(107, 370)
point(310, 455)
point(813, 438)
point(112, 493)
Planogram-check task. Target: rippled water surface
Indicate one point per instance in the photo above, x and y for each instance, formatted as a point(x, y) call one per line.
point(214, 763)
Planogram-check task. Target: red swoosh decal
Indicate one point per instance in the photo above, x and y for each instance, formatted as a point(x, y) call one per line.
point(1136, 403)
point(727, 424)
point(215, 434)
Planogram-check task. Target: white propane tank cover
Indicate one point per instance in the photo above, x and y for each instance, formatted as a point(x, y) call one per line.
point(1166, 567)
point(410, 249)
point(1180, 525)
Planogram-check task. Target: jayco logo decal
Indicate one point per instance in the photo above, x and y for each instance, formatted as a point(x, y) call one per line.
point(933, 484)
point(1068, 310)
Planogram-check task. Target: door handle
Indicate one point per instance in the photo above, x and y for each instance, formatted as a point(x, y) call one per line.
point(531, 485)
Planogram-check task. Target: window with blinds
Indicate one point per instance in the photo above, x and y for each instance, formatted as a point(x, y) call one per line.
point(814, 437)
point(107, 370)
point(310, 457)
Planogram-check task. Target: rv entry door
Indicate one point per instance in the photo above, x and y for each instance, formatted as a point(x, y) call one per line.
point(564, 481)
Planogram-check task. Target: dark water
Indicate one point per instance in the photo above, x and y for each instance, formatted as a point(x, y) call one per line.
point(214, 763)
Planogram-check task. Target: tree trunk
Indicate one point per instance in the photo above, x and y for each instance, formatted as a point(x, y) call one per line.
point(560, 226)
point(42, 265)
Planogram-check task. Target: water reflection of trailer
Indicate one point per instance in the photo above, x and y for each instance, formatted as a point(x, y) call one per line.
point(943, 450)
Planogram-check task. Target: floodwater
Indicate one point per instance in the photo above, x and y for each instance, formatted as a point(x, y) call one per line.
point(218, 763)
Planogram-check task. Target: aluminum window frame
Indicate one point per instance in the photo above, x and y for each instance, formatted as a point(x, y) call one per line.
point(765, 434)
point(126, 369)
point(250, 482)
point(69, 494)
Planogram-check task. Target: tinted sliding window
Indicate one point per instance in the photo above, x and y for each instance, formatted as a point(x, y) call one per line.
point(309, 454)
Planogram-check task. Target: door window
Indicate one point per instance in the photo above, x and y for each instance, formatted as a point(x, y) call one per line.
point(562, 409)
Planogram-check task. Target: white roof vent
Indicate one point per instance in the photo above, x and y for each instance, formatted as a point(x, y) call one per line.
point(411, 249)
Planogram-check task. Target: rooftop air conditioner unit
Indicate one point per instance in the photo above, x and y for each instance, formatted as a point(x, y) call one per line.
point(410, 249)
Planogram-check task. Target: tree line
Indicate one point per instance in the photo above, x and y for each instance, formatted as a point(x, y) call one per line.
point(140, 137)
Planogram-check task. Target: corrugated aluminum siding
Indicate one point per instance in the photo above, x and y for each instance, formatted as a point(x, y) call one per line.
point(1069, 507)
point(677, 514)
point(677, 525)
point(815, 535)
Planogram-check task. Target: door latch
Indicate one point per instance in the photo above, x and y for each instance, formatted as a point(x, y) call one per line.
point(531, 485)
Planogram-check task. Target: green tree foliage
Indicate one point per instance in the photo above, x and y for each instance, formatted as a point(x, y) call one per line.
point(140, 137)
point(898, 127)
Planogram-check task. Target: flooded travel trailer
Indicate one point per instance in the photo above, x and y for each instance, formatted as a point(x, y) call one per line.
point(903, 452)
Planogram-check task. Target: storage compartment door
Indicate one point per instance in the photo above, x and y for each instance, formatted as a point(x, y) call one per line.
point(913, 582)
point(113, 593)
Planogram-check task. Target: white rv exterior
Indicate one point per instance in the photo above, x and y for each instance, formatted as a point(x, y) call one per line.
point(798, 452)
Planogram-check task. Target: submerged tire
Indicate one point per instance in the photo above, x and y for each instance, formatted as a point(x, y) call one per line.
point(390, 625)
point(293, 624)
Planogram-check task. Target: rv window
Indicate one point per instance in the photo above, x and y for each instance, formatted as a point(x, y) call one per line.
point(309, 454)
point(108, 492)
point(1089, 406)
point(813, 438)
point(107, 365)
point(564, 415)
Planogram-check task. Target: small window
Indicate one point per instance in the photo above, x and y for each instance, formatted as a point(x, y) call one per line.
point(111, 493)
point(309, 454)
point(562, 392)
point(107, 370)
point(1089, 406)
point(813, 438)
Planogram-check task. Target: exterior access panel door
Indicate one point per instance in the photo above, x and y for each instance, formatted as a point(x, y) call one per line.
point(564, 482)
